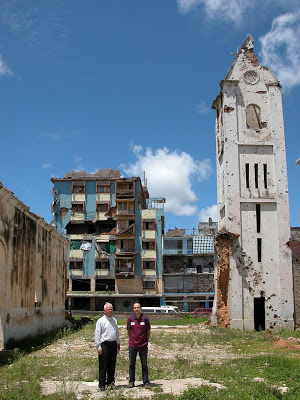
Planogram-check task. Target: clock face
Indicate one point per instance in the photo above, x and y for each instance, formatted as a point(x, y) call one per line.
point(251, 77)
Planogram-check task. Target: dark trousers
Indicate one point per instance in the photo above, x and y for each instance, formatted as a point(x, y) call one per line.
point(143, 353)
point(107, 363)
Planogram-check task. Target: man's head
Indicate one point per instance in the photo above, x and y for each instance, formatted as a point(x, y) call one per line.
point(108, 310)
point(137, 309)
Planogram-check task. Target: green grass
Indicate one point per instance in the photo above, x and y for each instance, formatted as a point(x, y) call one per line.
point(68, 355)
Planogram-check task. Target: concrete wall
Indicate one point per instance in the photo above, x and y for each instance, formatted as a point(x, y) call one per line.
point(295, 247)
point(251, 169)
point(33, 270)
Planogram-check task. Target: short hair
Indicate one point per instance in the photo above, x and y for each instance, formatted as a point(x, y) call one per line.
point(107, 304)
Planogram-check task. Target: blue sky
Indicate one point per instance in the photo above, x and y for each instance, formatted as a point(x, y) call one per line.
point(129, 85)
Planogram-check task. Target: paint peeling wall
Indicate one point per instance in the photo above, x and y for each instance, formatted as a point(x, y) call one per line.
point(252, 198)
point(33, 258)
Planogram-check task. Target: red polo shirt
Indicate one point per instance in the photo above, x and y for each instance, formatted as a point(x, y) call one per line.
point(138, 331)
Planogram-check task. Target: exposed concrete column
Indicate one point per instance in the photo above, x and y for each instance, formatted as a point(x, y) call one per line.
point(92, 304)
point(93, 285)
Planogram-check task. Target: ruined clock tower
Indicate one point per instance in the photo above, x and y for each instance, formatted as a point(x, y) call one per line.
point(254, 286)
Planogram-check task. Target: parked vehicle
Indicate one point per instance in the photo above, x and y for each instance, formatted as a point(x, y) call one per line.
point(200, 311)
point(161, 310)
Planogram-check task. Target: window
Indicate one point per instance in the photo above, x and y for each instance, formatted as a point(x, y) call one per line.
point(102, 207)
point(253, 119)
point(102, 264)
point(78, 264)
point(77, 206)
point(190, 244)
point(103, 187)
point(148, 264)
point(148, 284)
point(149, 225)
point(149, 245)
point(78, 187)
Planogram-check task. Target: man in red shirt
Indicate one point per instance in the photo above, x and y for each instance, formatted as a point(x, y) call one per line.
point(139, 333)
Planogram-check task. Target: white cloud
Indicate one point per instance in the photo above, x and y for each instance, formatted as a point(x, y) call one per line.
point(4, 70)
point(280, 49)
point(225, 10)
point(46, 165)
point(211, 211)
point(169, 174)
point(202, 108)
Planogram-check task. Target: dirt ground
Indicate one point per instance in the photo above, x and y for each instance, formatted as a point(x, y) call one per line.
point(213, 354)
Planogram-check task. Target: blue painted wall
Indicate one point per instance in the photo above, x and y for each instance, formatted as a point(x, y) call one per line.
point(64, 200)
point(138, 232)
point(90, 200)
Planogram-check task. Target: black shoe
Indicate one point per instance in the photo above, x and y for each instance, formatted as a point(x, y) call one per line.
point(130, 385)
point(147, 385)
point(102, 388)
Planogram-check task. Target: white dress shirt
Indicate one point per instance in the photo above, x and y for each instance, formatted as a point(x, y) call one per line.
point(106, 330)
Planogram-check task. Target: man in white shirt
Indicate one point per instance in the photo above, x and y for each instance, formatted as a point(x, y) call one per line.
point(107, 343)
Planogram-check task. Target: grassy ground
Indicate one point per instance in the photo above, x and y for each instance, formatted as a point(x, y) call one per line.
point(251, 365)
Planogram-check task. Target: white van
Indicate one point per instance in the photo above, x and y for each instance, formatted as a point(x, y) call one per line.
point(160, 310)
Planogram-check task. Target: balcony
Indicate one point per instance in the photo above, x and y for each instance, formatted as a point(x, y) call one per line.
point(130, 231)
point(175, 252)
point(125, 212)
point(124, 266)
point(124, 192)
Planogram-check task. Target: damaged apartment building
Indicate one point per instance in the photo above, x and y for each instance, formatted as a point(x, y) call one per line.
point(189, 262)
point(115, 231)
point(254, 284)
point(33, 269)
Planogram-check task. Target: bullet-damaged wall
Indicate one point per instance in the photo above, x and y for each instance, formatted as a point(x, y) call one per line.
point(33, 267)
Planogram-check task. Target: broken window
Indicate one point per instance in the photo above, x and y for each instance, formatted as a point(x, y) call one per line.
point(77, 206)
point(76, 264)
point(78, 187)
point(253, 119)
point(148, 284)
point(102, 207)
point(103, 187)
point(148, 264)
point(125, 245)
point(149, 225)
point(124, 266)
point(102, 264)
point(124, 189)
point(149, 245)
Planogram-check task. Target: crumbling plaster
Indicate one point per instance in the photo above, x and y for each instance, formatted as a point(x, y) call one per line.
point(33, 268)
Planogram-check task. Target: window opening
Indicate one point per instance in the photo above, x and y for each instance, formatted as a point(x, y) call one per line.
point(256, 175)
point(266, 176)
point(259, 243)
point(148, 284)
point(247, 175)
point(259, 314)
point(258, 220)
